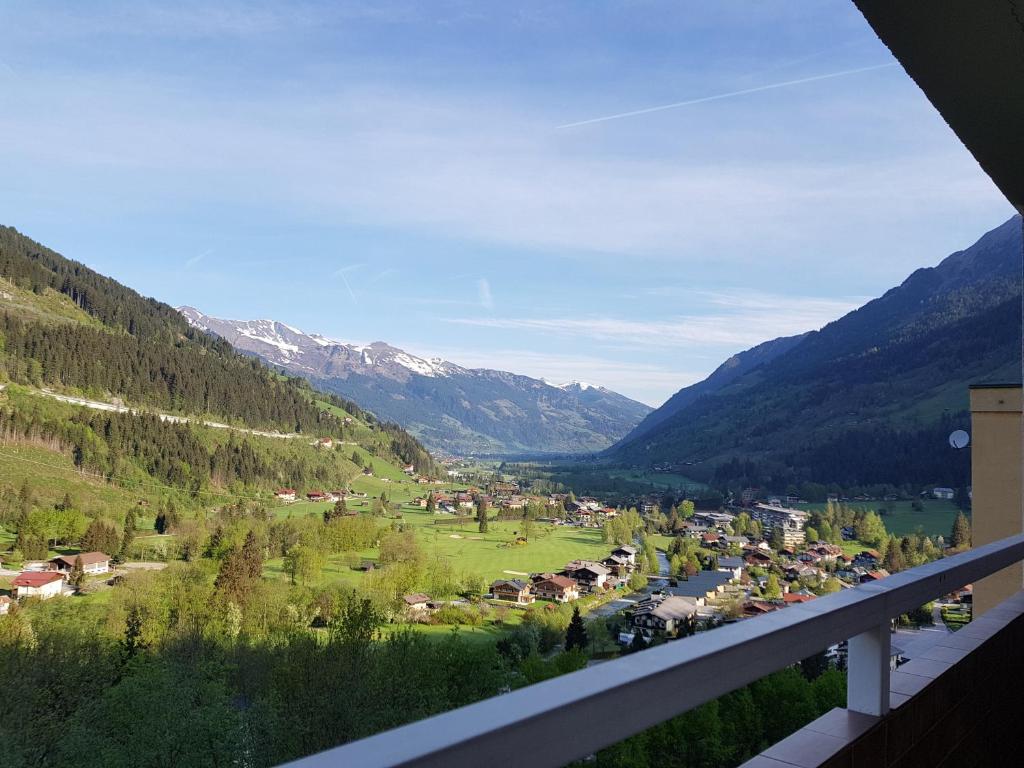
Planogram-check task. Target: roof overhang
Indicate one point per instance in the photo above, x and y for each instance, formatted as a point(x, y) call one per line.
point(968, 58)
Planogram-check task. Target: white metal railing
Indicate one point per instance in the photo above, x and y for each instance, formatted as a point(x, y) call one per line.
point(561, 720)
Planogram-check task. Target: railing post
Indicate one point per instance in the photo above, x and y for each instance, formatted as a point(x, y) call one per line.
point(867, 675)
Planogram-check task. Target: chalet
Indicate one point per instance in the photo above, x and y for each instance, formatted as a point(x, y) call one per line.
point(802, 571)
point(92, 562)
point(416, 603)
point(41, 584)
point(420, 501)
point(512, 590)
point(626, 551)
point(663, 614)
point(318, 496)
point(409, 469)
point(731, 565)
point(561, 589)
point(367, 471)
point(714, 519)
point(756, 556)
point(620, 566)
point(794, 598)
point(876, 575)
point(943, 493)
point(325, 443)
point(285, 494)
point(703, 584)
point(758, 608)
point(5, 604)
point(589, 575)
point(869, 558)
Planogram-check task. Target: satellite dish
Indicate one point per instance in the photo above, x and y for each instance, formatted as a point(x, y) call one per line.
point(959, 439)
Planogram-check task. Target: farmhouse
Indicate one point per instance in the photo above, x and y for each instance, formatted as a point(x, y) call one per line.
point(626, 551)
point(513, 590)
point(589, 575)
point(318, 496)
point(92, 562)
point(41, 584)
point(663, 614)
point(417, 603)
point(561, 589)
point(285, 494)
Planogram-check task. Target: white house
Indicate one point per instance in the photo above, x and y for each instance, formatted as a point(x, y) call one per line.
point(92, 562)
point(943, 493)
point(42, 584)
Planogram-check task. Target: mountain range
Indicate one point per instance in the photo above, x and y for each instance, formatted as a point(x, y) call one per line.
point(869, 398)
point(448, 407)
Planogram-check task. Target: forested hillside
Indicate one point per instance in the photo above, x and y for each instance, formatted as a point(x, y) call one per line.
point(67, 328)
point(868, 399)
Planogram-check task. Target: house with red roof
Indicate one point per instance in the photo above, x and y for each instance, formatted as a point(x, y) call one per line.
point(41, 584)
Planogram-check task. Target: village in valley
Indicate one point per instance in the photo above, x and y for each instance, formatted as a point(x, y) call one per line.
point(638, 573)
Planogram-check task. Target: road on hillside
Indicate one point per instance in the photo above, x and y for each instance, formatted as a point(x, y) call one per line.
point(99, 405)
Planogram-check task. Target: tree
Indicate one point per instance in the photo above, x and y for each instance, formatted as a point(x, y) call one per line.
point(338, 510)
point(960, 537)
point(481, 514)
point(100, 536)
point(812, 535)
point(252, 556)
point(772, 590)
point(870, 529)
point(431, 502)
point(303, 564)
point(894, 560)
point(576, 633)
point(77, 576)
point(127, 537)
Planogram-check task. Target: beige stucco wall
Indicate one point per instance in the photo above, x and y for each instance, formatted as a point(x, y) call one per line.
point(996, 458)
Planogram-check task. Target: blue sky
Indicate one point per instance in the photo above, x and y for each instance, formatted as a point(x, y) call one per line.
point(404, 171)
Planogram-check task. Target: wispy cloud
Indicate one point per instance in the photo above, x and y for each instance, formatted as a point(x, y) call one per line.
point(483, 288)
point(727, 95)
point(341, 272)
point(742, 320)
point(191, 262)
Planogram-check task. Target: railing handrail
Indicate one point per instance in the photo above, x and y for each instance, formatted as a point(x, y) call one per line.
point(557, 721)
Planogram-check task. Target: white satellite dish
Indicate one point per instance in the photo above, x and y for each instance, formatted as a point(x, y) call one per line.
point(959, 439)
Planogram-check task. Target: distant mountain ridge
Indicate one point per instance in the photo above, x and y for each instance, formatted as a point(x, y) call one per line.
point(449, 407)
point(868, 398)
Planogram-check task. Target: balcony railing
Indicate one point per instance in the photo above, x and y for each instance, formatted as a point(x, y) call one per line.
point(561, 720)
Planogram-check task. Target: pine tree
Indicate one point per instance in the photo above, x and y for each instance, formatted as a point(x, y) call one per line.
point(576, 633)
point(431, 502)
point(960, 537)
point(77, 576)
point(252, 556)
point(127, 537)
point(133, 642)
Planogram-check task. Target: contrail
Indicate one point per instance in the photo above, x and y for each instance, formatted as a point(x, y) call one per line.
point(729, 95)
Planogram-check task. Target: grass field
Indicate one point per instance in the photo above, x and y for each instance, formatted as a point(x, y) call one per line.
point(657, 479)
point(901, 518)
point(489, 555)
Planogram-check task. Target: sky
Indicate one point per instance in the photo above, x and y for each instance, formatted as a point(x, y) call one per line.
point(623, 193)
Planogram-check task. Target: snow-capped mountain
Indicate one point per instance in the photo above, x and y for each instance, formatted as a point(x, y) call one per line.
point(451, 408)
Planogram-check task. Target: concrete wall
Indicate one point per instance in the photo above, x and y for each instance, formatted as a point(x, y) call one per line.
point(996, 459)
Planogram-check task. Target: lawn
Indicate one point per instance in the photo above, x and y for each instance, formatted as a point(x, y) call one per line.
point(490, 555)
point(901, 518)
